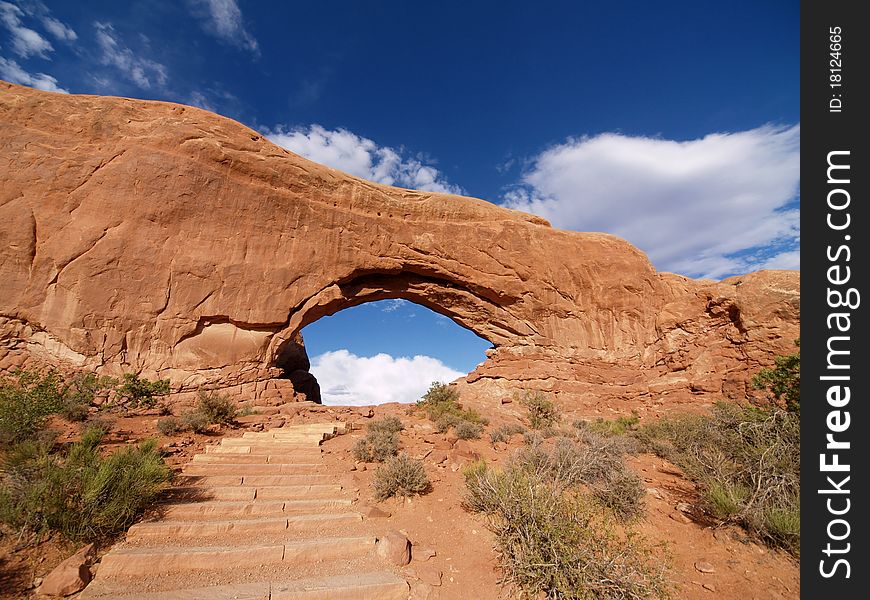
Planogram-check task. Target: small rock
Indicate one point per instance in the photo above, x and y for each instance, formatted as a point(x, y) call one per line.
point(463, 448)
point(70, 576)
point(684, 507)
point(709, 587)
point(704, 567)
point(427, 574)
point(373, 512)
point(394, 548)
point(421, 591)
point(506, 400)
point(680, 518)
point(360, 466)
point(438, 456)
point(422, 553)
point(655, 493)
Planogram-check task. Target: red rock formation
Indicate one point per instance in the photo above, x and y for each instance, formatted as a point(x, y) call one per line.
point(164, 239)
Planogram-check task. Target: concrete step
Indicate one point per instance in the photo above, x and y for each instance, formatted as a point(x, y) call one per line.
point(225, 510)
point(363, 586)
point(283, 444)
point(309, 452)
point(242, 469)
point(219, 456)
point(191, 529)
point(378, 585)
point(127, 562)
point(256, 480)
point(264, 492)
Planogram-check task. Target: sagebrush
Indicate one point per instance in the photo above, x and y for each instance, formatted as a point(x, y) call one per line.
point(400, 476)
point(555, 543)
point(746, 461)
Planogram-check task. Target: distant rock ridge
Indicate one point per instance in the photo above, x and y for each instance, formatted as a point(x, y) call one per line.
point(167, 240)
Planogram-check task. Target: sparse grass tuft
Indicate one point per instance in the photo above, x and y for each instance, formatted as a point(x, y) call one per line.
point(388, 424)
point(170, 425)
point(504, 433)
point(617, 426)
point(400, 476)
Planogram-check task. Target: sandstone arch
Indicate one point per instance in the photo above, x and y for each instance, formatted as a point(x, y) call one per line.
point(170, 241)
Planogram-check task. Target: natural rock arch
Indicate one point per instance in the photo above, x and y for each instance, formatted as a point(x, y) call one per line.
point(163, 239)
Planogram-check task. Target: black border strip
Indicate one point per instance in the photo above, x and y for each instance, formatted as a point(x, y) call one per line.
point(834, 103)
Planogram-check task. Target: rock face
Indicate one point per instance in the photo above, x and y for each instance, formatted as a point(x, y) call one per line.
point(166, 240)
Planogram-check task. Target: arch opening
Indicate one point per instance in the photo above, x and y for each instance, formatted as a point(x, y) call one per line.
point(378, 351)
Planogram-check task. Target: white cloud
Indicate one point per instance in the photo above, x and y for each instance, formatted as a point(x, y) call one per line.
point(348, 152)
point(350, 380)
point(25, 41)
point(705, 207)
point(223, 18)
point(142, 71)
point(12, 71)
point(58, 29)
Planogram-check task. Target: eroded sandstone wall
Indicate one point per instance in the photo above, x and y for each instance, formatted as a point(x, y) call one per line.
point(166, 240)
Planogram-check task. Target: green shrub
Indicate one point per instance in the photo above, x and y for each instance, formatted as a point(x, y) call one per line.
point(745, 460)
point(783, 382)
point(82, 495)
point(556, 544)
point(216, 408)
point(466, 430)
point(376, 446)
point(445, 422)
point(400, 476)
point(195, 420)
point(542, 413)
point(441, 404)
point(439, 393)
point(170, 425)
point(504, 433)
point(27, 398)
point(137, 391)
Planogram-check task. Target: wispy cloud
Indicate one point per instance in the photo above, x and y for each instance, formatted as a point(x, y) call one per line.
point(12, 71)
point(389, 306)
point(26, 42)
point(145, 73)
point(348, 152)
point(719, 205)
point(348, 379)
point(58, 29)
point(223, 19)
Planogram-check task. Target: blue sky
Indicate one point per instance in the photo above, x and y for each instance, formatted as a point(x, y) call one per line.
point(672, 124)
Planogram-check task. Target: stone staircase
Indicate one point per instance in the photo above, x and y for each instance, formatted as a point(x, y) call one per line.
point(254, 518)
